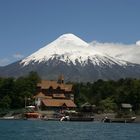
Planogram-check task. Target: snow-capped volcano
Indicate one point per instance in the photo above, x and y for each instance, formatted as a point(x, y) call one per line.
point(70, 49)
point(76, 59)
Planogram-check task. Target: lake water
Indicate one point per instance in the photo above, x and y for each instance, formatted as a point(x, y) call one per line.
point(55, 130)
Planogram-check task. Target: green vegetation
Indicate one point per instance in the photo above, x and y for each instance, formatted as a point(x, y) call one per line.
point(13, 91)
point(106, 95)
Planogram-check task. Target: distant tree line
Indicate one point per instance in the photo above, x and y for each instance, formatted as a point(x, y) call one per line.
point(106, 95)
point(109, 95)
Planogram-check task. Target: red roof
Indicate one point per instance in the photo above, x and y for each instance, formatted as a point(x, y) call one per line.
point(45, 84)
point(41, 95)
point(58, 102)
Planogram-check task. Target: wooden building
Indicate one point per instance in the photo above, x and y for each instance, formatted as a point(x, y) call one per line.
point(54, 95)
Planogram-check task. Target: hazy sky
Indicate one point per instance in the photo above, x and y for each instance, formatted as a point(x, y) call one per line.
point(27, 25)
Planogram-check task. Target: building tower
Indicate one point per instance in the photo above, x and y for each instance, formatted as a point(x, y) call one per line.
point(61, 79)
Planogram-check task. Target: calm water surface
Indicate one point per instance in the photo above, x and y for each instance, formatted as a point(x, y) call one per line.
point(54, 130)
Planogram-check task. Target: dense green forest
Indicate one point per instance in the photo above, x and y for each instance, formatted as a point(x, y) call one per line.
point(106, 95)
point(109, 95)
point(14, 91)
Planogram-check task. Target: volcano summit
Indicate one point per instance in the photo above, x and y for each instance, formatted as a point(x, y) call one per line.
point(76, 59)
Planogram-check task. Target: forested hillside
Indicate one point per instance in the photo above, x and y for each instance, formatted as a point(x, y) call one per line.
point(106, 95)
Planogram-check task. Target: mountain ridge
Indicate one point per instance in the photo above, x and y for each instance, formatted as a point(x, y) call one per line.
point(76, 59)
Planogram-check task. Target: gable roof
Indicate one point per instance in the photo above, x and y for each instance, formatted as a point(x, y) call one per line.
point(41, 95)
point(58, 102)
point(45, 84)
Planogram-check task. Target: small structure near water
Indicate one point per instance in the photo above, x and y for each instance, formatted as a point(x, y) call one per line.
point(125, 115)
point(84, 113)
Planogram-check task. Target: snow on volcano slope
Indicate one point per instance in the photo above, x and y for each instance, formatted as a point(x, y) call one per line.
point(70, 48)
point(77, 60)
